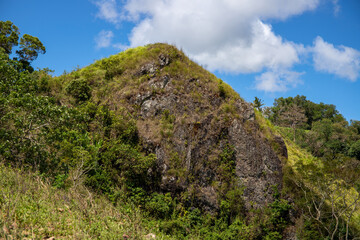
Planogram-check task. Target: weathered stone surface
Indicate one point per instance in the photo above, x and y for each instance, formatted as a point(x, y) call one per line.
point(257, 165)
point(164, 60)
point(149, 68)
point(159, 83)
point(188, 147)
point(282, 147)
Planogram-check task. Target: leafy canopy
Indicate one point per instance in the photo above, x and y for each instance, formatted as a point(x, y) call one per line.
point(9, 36)
point(29, 48)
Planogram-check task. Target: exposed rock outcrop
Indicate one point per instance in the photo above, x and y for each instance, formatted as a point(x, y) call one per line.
point(188, 118)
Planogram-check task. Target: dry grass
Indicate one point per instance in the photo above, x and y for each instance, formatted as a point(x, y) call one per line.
point(30, 208)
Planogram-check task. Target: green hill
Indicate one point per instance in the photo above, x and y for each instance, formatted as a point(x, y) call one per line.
point(147, 143)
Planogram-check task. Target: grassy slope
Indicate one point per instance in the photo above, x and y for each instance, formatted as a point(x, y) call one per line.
point(299, 156)
point(31, 208)
point(299, 159)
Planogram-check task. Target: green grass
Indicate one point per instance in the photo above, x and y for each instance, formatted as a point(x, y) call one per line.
point(31, 208)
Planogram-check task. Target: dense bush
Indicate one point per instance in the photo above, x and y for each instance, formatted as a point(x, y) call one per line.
point(354, 150)
point(79, 89)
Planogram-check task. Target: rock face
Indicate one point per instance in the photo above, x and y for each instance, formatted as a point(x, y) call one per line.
point(257, 165)
point(200, 142)
point(189, 119)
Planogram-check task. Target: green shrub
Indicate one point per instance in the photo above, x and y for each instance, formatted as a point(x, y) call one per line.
point(79, 89)
point(221, 89)
point(176, 227)
point(278, 217)
point(226, 169)
point(354, 150)
point(160, 205)
point(59, 181)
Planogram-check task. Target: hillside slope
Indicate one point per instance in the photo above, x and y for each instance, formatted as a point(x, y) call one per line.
point(325, 191)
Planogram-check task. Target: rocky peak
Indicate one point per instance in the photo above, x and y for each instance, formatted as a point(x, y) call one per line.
point(205, 136)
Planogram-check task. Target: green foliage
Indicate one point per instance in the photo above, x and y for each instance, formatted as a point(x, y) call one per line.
point(355, 126)
point(167, 124)
point(9, 36)
point(160, 205)
point(112, 68)
point(31, 208)
point(258, 103)
point(309, 230)
point(313, 112)
point(277, 218)
point(226, 169)
point(129, 165)
point(354, 150)
point(222, 92)
point(36, 132)
point(232, 205)
point(60, 181)
point(79, 89)
point(326, 133)
point(30, 47)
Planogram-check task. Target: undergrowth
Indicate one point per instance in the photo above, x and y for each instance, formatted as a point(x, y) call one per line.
point(30, 207)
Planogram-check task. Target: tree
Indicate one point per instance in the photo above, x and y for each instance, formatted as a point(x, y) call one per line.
point(355, 126)
point(293, 116)
point(329, 195)
point(258, 103)
point(30, 47)
point(9, 36)
point(354, 150)
point(313, 111)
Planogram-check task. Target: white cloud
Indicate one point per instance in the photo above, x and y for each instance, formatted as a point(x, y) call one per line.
point(204, 26)
point(227, 35)
point(220, 34)
point(336, 7)
point(108, 11)
point(264, 49)
point(341, 61)
point(103, 39)
point(232, 36)
point(277, 80)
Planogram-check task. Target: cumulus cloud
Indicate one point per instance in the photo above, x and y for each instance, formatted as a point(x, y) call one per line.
point(341, 61)
point(233, 36)
point(108, 11)
point(201, 26)
point(212, 28)
point(103, 39)
point(277, 80)
point(263, 49)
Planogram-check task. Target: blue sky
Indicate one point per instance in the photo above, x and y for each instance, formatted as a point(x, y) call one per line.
point(263, 48)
